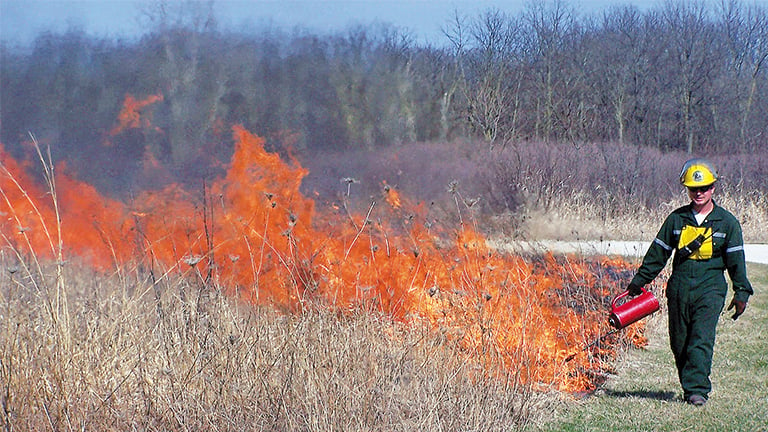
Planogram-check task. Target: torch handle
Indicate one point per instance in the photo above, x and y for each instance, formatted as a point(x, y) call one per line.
point(621, 296)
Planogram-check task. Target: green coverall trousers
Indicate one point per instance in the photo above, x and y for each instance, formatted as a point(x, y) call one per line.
point(693, 315)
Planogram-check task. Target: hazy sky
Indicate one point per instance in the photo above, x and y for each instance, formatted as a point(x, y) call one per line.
point(22, 20)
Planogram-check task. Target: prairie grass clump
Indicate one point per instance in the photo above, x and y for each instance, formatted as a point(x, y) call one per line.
point(162, 356)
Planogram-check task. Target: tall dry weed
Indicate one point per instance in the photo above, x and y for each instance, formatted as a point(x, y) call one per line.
point(181, 361)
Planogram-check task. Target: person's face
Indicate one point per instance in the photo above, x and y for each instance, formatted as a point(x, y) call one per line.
point(701, 195)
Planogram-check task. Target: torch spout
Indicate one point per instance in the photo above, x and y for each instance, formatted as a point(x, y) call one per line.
point(591, 344)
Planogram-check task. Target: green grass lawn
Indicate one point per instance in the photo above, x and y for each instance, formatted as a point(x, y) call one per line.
point(644, 394)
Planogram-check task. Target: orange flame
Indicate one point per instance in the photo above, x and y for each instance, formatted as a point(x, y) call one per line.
point(254, 234)
point(130, 116)
point(392, 196)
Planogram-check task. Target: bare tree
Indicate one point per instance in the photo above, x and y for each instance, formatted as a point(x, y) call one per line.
point(191, 92)
point(692, 53)
point(489, 82)
point(746, 39)
point(456, 32)
point(549, 26)
point(622, 69)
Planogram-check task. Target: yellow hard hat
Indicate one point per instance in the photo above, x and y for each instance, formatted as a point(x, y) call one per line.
point(698, 172)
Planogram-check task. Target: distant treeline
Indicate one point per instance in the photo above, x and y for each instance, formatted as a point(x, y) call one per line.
point(682, 76)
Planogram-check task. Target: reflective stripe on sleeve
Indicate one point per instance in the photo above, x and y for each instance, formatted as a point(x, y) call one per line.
point(662, 244)
point(734, 249)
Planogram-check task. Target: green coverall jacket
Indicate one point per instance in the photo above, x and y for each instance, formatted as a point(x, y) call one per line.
point(697, 287)
point(727, 248)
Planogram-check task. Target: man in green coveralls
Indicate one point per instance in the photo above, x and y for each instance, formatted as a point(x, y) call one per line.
point(706, 240)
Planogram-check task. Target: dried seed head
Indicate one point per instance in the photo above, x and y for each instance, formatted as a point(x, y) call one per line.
point(192, 260)
point(471, 202)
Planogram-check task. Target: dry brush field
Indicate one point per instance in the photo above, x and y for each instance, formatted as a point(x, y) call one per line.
point(251, 309)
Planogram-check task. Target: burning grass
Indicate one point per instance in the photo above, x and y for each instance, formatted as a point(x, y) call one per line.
point(240, 305)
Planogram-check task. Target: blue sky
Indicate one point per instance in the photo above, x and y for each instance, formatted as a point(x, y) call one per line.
point(22, 20)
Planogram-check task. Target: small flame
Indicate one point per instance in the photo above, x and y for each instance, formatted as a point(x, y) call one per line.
point(392, 196)
point(130, 116)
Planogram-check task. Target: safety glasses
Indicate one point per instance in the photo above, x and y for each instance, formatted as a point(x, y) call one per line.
point(700, 188)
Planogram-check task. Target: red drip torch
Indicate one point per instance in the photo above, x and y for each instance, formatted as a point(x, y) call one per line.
point(625, 314)
point(632, 310)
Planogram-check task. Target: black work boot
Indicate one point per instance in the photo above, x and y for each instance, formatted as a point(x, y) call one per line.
point(697, 400)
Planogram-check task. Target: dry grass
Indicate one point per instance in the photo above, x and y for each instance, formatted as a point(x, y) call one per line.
point(752, 211)
point(581, 217)
point(181, 356)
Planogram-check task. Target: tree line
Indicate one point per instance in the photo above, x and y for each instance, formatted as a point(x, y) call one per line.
point(680, 76)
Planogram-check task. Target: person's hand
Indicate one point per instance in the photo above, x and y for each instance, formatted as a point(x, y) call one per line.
point(634, 289)
point(739, 305)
